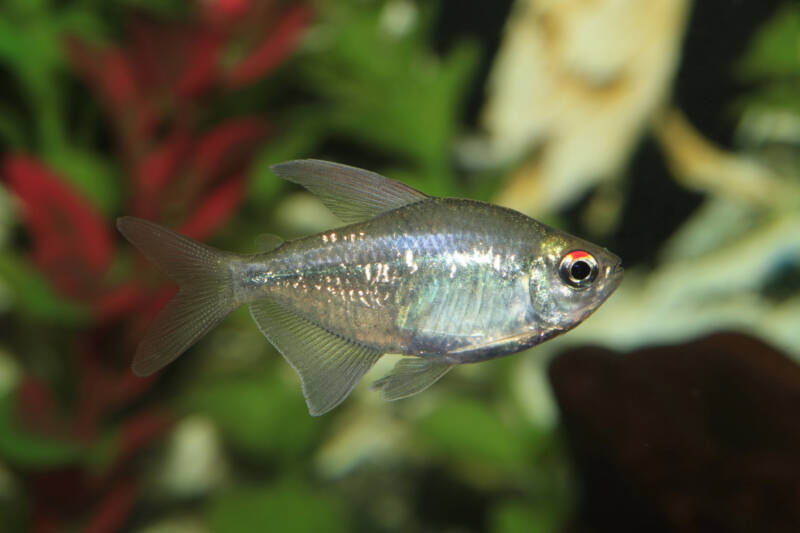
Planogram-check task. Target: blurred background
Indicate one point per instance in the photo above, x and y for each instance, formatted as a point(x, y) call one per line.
point(668, 131)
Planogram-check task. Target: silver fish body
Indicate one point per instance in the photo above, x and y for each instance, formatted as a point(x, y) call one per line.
point(449, 281)
point(440, 278)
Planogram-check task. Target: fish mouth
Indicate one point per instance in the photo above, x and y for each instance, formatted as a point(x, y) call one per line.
point(614, 271)
point(614, 275)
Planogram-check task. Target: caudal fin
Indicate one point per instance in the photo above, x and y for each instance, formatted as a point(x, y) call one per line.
point(205, 296)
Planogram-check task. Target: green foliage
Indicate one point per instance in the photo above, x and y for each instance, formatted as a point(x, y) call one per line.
point(30, 49)
point(287, 506)
point(31, 37)
point(163, 8)
point(24, 449)
point(523, 518)
point(91, 174)
point(14, 514)
point(388, 91)
point(258, 414)
point(773, 52)
point(34, 296)
point(772, 61)
point(470, 431)
point(300, 135)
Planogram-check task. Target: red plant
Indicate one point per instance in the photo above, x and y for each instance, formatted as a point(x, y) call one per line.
point(153, 89)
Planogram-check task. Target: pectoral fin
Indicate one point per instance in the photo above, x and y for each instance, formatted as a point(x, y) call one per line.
point(352, 194)
point(410, 376)
point(329, 366)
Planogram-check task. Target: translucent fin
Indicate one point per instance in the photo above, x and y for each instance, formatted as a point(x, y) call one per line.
point(328, 365)
point(205, 296)
point(410, 376)
point(266, 242)
point(352, 194)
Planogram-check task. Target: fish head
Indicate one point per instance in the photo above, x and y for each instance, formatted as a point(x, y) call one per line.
point(570, 278)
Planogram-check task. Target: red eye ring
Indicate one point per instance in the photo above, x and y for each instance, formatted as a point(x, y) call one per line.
point(578, 269)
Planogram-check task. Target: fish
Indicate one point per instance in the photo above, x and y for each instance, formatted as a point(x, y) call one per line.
point(443, 281)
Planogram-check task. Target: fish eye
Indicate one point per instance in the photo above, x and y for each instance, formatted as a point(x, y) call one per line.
point(578, 269)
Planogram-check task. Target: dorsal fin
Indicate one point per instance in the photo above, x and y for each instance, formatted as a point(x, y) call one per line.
point(352, 194)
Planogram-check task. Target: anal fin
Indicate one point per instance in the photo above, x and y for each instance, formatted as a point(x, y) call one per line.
point(411, 375)
point(329, 366)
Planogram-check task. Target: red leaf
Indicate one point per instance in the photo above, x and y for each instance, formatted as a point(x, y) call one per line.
point(175, 61)
point(226, 149)
point(156, 170)
point(102, 362)
point(118, 302)
point(107, 69)
point(35, 406)
point(71, 241)
point(215, 209)
point(130, 386)
point(140, 431)
point(114, 509)
point(273, 49)
point(150, 45)
point(56, 495)
point(201, 67)
point(45, 522)
point(225, 10)
point(155, 302)
point(112, 76)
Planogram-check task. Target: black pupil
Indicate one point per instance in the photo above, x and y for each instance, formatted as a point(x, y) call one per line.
point(580, 270)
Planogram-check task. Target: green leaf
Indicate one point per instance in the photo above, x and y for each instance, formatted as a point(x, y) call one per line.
point(296, 140)
point(27, 8)
point(30, 48)
point(34, 296)
point(258, 414)
point(391, 92)
point(26, 450)
point(288, 507)
point(468, 430)
point(94, 176)
point(773, 96)
point(775, 49)
point(12, 132)
point(772, 65)
point(14, 512)
point(520, 518)
point(161, 8)
point(80, 22)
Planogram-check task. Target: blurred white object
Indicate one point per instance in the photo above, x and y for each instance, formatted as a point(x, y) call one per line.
point(194, 464)
point(573, 86)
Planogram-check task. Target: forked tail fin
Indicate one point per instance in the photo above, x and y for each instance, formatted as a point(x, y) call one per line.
point(205, 297)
